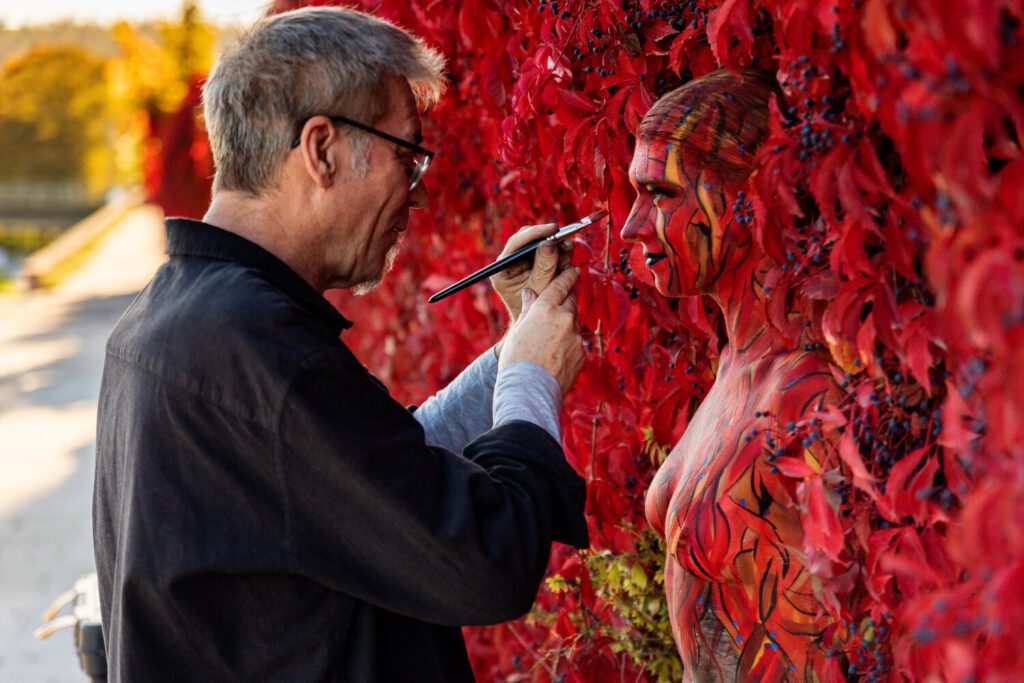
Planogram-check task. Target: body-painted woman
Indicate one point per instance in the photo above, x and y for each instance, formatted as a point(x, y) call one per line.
point(740, 596)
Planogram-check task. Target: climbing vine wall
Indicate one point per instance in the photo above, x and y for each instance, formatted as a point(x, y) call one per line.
point(889, 197)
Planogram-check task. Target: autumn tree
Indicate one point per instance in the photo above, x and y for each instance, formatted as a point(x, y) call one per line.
point(54, 121)
point(155, 87)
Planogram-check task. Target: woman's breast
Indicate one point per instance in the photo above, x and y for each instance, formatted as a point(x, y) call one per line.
point(691, 466)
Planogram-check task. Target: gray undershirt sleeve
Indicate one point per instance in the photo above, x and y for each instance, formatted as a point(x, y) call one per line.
point(461, 411)
point(481, 397)
point(526, 391)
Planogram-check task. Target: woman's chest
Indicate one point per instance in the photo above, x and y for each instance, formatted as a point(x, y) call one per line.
point(730, 412)
point(720, 451)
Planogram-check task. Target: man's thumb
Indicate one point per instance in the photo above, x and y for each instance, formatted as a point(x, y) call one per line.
point(528, 296)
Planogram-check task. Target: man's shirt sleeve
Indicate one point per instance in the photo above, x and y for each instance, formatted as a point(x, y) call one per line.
point(481, 397)
point(460, 412)
point(376, 513)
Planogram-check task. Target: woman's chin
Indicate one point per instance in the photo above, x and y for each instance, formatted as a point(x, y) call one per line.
point(664, 289)
point(674, 291)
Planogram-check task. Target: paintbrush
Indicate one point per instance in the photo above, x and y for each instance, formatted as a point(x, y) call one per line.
point(517, 256)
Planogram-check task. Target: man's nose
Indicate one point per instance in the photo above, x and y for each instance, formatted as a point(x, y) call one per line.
point(418, 196)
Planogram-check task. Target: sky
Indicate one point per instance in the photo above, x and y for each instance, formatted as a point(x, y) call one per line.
point(18, 13)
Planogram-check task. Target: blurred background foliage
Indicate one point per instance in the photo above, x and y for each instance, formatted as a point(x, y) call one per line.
point(54, 115)
point(84, 112)
point(71, 94)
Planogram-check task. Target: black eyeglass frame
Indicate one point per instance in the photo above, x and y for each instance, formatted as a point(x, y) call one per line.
point(421, 165)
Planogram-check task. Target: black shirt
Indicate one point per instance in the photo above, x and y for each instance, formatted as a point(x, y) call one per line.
point(265, 511)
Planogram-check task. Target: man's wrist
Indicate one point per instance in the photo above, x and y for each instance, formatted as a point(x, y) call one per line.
point(526, 391)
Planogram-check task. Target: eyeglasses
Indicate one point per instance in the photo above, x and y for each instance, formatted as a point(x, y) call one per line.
point(424, 155)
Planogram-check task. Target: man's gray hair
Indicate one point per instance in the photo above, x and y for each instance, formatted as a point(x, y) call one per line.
point(291, 66)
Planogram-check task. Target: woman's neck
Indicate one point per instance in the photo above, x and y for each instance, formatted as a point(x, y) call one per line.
point(741, 295)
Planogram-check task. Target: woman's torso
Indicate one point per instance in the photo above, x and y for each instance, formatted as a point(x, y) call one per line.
point(739, 598)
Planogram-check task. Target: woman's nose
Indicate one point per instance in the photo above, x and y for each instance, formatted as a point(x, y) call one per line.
point(639, 223)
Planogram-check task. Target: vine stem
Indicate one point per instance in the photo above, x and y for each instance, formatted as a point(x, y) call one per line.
point(540, 660)
point(608, 245)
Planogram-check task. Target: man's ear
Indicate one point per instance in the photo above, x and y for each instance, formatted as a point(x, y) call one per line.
point(320, 156)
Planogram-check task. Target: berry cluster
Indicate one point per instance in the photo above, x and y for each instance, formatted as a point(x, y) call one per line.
point(743, 209)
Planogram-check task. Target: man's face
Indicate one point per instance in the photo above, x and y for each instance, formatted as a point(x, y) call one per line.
point(677, 219)
point(378, 202)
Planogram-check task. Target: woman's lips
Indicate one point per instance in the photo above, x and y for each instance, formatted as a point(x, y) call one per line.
point(653, 258)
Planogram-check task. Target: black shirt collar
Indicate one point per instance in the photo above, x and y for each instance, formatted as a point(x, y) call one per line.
point(191, 238)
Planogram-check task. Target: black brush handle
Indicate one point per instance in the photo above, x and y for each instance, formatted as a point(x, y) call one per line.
point(515, 257)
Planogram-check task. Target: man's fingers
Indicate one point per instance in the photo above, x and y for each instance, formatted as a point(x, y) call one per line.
point(545, 266)
point(564, 255)
point(515, 270)
point(529, 234)
point(560, 287)
point(528, 297)
point(570, 301)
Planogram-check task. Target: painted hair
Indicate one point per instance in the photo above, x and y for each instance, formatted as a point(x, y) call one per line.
point(718, 120)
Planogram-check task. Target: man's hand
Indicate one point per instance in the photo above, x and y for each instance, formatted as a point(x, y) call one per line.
point(548, 331)
point(549, 260)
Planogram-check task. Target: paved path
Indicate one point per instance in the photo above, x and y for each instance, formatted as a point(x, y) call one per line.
point(51, 355)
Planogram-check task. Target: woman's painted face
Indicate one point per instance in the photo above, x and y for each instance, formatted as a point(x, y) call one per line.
point(678, 219)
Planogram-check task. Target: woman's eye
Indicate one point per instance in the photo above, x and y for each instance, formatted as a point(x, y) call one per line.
point(655, 191)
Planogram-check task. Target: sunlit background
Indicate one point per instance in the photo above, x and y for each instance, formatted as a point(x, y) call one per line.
point(86, 93)
point(98, 138)
point(19, 15)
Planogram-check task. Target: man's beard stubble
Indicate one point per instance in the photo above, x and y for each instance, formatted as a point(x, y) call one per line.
point(389, 263)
